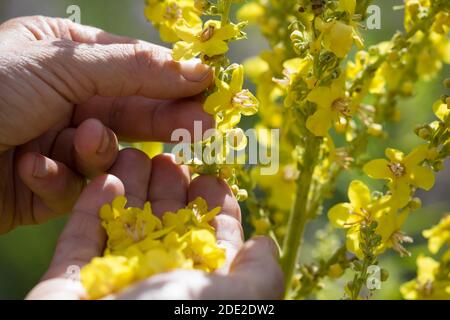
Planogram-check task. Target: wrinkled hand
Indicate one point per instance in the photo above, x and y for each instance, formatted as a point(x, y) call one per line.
point(251, 270)
point(66, 91)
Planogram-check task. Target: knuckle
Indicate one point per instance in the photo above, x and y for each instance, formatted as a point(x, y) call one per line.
point(148, 57)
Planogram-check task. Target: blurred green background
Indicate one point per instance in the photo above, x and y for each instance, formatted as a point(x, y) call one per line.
point(26, 252)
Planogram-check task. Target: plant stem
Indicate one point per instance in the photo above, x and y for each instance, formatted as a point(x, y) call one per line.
point(226, 6)
point(299, 213)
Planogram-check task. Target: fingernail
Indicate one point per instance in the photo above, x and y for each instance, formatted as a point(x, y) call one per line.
point(104, 145)
point(40, 169)
point(194, 70)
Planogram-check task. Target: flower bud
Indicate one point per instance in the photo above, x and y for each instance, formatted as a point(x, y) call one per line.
point(447, 83)
point(438, 166)
point(415, 203)
point(242, 195)
point(384, 275)
point(235, 189)
point(424, 132)
point(375, 130)
point(432, 153)
point(226, 172)
point(335, 271)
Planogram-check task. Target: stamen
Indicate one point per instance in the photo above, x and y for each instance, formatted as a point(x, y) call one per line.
point(397, 169)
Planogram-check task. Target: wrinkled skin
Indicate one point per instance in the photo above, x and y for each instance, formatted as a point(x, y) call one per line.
point(251, 270)
point(68, 93)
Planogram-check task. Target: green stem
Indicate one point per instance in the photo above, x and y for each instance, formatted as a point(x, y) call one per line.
point(226, 7)
point(299, 213)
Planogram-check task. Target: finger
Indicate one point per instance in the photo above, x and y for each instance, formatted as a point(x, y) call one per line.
point(83, 238)
point(117, 70)
point(168, 185)
point(88, 34)
point(56, 187)
point(41, 27)
point(63, 149)
point(152, 120)
point(133, 168)
point(257, 265)
point(96, 148)
point(228, 223)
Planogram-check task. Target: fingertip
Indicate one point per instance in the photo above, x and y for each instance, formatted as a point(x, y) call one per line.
point(103, 189)
point(96, 147)
point(89, 137)
point(133, 167)
point(169, 182)
point(264, 244)
point(195, 71)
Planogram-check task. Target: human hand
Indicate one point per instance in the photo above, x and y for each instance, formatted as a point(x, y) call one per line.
point(66, 91)
point(251, 270)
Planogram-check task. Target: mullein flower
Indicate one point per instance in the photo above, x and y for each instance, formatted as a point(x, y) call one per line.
point(362, 210)
point(280, 188)
point(209, 40)
point(332, 104)
point(402, 172)
point(438, 235)
point(430, 283)
point(230, 101)
point(141, 245)
point(338, 36)
point(166, 14)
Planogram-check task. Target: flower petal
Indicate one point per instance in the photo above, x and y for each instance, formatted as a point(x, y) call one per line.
point(218, 101)
point(340, 214)
point(359, 194)
point(237, 79)
point(378, 169)
point(183, 51)
point(228, 32)
point(321, 97)
point(416, 156)
point(213, 47)
point(320, 122)
point(394, 155)
point(422, 177)
point(401, 193)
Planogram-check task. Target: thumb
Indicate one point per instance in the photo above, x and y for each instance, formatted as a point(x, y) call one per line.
point(81, 71)
point(256, 265)
point(82, 239)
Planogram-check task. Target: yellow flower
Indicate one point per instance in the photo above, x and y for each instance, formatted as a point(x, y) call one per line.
point(441, 110)
point(414, 8)
point(439, 235)
point(332, 104)
point(211, 40)
point(402, 172)
point(337, 36)
point(107, 275)
point(166, 14)
point(126, 226)
point(140, 245)
point(430, 284)
point(362, 210)
point(203, 250)
point(280, 187)
point(230, 100)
